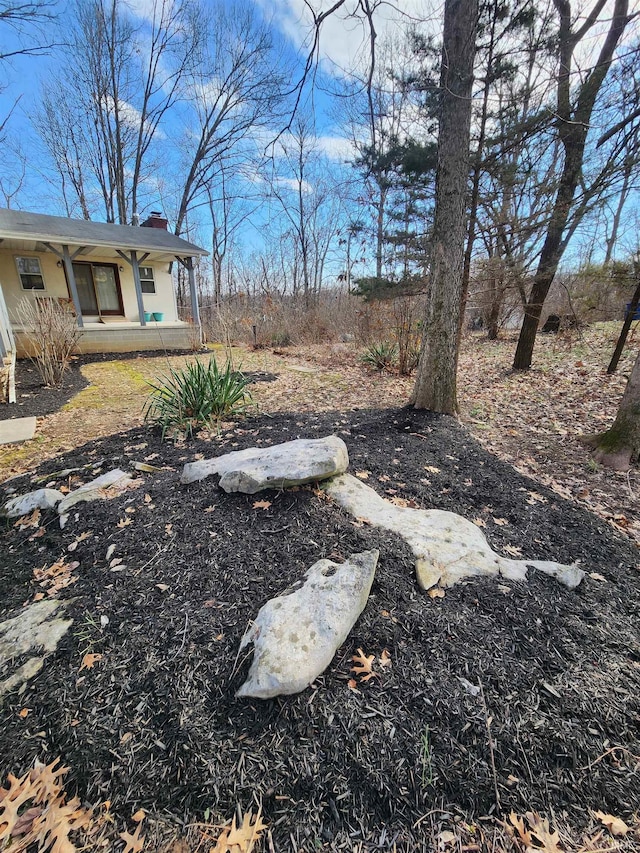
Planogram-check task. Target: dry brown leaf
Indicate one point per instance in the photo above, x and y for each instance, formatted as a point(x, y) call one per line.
point(168, 529)
point(139, 815)
point(513, 550)
point(518, 824)
point(432, 469)
point(363, 666)
point(243, 838)
point(548, 841)
point(435, 592)
point(133, 843)
point(501, 522)
point(261, 504)
point(124, 522)
point(23, 712)
point(352, 684)
point(362, 475)
point(31, 520)
point(385, 659)
point(479, 522)
point(89, 660)
point(615, 825)
point(210, 508)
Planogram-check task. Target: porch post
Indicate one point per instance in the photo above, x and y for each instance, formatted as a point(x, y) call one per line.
point(195, 308)
point(136, 280)
point(71, 279)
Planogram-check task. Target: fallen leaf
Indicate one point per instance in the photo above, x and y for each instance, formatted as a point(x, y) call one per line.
point(363, 666)
point(513, 550)
point(133, 843)
point(596, 576)
point(243, 838)
point(261, 504)
point(139, 815)
point(352, 684)
point(210, 508)
point(501, 522)
point(89, 660)
point(432, 469)
point(385, 659)
point(163, 587)
point(519, 825)
point(541, 831)
point(362, 475)
point(479, 522)
point(447, 837)
point(23, 712)
point(147, 499)
point(31, 520)
point(435, 592)
point(615, 825)
point(168, 529)
point(124, 522)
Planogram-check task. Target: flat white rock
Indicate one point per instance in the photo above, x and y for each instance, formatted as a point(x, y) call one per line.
point(304, 460)
point(105, 486)
point(37, 627)
point(24, 504)
point(295, 635)
point(448, 548)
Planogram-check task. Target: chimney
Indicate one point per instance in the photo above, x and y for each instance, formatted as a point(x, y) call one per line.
point(155, 220)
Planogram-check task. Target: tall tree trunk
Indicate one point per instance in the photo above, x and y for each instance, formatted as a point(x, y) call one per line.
point(573, 127)
point(619, 446)
point(435, 386)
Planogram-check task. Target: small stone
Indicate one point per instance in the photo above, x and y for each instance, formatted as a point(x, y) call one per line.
point(40, 499)
point(292, 463)
point(295, 635)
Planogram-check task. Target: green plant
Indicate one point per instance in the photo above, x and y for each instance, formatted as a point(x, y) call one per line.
point(380, 355)
point(425, 758)
point(196, 397)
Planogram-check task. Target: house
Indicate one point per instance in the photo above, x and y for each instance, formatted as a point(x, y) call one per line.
point(115, 278)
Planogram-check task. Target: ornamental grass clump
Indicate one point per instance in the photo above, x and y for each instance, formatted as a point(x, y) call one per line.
point(380, 355)
point(197, 397)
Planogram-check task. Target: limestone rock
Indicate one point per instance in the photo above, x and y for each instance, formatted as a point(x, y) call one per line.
point(34, 628)
point(24, 504)
point(448, 548)
point(304, 460)
point(105, 486)
point(295, 635)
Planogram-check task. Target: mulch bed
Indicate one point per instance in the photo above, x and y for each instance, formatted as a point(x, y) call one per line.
point(155, 723)
point(33, 399)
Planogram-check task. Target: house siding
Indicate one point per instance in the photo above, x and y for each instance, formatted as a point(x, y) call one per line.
point(162, 300)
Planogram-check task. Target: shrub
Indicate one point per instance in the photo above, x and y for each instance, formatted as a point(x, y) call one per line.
point(52, 332)
point(380, 355)
point(196, 397)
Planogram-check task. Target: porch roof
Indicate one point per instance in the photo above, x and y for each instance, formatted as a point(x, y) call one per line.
point(25, 231)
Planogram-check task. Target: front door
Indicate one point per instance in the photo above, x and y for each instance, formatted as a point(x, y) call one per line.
point(98, 288)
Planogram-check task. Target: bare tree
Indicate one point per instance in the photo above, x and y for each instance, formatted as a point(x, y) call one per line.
point(233, 90)
point(575, 104)
point(100, 119)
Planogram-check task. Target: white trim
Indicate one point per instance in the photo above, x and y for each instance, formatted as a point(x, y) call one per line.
point(33, 257)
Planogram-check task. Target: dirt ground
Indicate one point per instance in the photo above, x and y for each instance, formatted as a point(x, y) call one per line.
point(413, 760)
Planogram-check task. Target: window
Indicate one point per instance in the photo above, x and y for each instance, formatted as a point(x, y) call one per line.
point(147, 282)
point(30, 273)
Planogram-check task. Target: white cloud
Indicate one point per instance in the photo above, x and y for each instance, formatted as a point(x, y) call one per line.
point(344, 40)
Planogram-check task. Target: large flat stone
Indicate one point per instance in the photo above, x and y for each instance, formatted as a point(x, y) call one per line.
point(17, 430)
point(38, 628)
point(448, 548)
point(304, 460)
point(105, 486)
point(295, 635)
point(39, 499)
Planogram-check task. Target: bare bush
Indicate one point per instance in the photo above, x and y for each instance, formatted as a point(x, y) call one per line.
point(52, 332)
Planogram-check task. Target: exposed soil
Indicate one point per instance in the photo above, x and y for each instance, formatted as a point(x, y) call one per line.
point(155, 723)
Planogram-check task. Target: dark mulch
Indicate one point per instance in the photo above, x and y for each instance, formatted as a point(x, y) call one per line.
point(156, 724)
point(33, 399)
